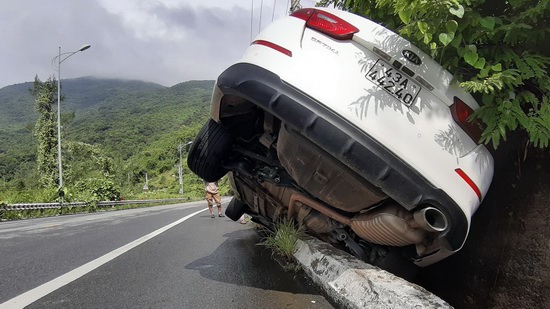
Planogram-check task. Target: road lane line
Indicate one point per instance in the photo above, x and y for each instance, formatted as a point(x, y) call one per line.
point(35, 294)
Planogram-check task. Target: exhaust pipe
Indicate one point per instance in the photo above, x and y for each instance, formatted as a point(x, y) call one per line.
point(430, 219)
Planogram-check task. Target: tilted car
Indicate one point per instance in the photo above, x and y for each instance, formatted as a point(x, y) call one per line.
point(344, 126)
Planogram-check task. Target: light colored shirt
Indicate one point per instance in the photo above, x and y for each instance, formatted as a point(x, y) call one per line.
point(211, 187)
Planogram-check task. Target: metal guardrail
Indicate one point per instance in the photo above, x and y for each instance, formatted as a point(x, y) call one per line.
point(38, 206)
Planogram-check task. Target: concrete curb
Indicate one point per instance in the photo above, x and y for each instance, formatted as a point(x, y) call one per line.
point(355, 284)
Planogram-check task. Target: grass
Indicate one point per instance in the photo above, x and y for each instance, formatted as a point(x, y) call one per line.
point(282, 241)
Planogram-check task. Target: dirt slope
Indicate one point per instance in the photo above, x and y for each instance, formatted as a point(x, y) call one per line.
point(505, 262)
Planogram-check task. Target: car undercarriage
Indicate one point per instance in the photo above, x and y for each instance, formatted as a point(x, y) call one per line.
point(277, 174)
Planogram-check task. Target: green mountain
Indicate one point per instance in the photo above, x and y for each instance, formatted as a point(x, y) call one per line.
point(17, 104)
point(137, 124)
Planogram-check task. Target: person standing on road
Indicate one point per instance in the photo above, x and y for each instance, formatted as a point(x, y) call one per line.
point(212, 196)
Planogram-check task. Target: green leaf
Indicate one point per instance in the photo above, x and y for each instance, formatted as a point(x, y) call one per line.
point(423, 26)
point(502, 130)
point(471, 57)
point(495, 138)
point(451, 26)
point(480, 64)
point(419, 36)
point(405, 15)
point(433, 46)
point(427, 38)
point(497, 67)
point(484, 72)
point(457, 40)
point(458, 12)
point(487, 98)
point(446, 38)
point(472, 47)
point(487, 22)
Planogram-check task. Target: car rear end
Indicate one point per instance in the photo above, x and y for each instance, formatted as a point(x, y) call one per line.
point(368, 80)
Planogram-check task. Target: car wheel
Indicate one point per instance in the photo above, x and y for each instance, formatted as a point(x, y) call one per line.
point(235, 209)
point(209, 149)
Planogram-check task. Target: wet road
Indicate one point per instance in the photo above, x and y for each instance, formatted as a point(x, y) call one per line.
point(136, 259)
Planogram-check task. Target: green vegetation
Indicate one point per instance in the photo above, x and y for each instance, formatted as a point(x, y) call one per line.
point(114, 133)
point(497, 50)
point(45, 131)
point(282, 242)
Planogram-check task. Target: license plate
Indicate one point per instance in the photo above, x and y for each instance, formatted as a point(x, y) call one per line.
point(394, 82)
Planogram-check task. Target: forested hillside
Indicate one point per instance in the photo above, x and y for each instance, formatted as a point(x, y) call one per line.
point(133, 124)
point(17, 104)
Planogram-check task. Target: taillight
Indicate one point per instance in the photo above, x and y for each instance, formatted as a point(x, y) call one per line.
point(461, 112)
point(469, 181)
point(274, 46)
point(326, 23)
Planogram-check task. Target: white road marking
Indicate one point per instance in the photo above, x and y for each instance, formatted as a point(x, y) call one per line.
point(33, 295)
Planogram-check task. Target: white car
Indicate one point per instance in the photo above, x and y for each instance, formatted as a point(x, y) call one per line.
point(344, 126)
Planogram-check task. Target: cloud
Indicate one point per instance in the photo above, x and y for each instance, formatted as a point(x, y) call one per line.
point(162, 41)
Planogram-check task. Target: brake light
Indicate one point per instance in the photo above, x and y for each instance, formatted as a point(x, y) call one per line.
point(461, 112)
point(274, 46)
point(469, 181)
point(326, 23)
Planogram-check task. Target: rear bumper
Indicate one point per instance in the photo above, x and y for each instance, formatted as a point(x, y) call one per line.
point(345, 142)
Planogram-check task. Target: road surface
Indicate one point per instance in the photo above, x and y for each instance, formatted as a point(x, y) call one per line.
point(160, 257)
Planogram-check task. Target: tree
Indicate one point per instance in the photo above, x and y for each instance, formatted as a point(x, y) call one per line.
point(45, 131)
point(83, 161)
point(497, 50)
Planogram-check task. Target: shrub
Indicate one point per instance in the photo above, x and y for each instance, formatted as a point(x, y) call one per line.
point(97, 189)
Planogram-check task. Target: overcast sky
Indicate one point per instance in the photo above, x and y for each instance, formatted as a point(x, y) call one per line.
point(161, 41)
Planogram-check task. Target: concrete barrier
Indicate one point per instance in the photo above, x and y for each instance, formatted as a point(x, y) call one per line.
point(355, 284)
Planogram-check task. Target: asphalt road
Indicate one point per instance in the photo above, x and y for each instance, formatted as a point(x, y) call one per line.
point(159, 257)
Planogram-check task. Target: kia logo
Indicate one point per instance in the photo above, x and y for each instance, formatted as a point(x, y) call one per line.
point(411, 56)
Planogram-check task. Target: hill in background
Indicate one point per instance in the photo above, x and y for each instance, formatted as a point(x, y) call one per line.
point(138, 124)
point(17, 104)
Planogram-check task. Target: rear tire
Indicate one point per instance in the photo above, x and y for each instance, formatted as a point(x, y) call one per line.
point(209, 149)
point(235, 209)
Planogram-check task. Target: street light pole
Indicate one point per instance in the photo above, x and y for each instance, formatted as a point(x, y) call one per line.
point(180, 171)
point(59, 122)
point(59, 61)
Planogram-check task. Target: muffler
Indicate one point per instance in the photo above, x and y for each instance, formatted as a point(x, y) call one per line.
point(390, 225)
point(393, 225)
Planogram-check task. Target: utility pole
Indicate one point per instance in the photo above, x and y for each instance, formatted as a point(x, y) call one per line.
point(180, 171)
